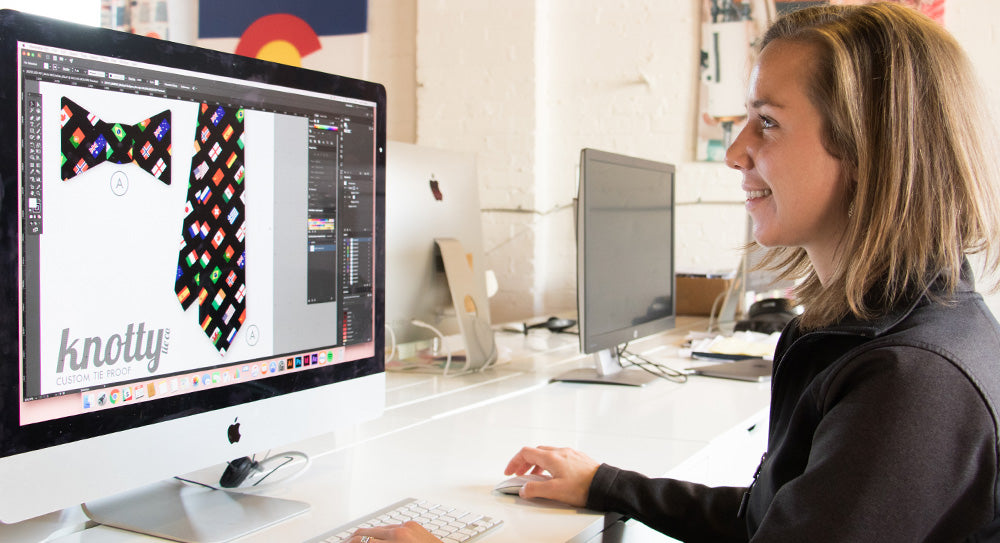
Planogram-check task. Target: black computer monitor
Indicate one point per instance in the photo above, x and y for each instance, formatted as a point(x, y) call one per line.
point(192, 246)
point(625, 260)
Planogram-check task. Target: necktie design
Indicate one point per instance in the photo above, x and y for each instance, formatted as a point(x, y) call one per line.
point(212, 258)
point(88, 141)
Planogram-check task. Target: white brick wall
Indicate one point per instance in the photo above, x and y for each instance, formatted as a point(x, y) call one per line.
point(476, 84)
point(392, 30)
point(525, 84)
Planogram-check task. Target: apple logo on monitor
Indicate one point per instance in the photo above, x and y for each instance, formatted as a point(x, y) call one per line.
point(234, 431)
point(436, 189)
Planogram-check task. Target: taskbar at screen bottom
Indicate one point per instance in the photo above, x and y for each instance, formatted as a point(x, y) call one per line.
point(117, 395)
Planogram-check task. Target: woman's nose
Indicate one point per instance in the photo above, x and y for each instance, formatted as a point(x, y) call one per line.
point(737, 156)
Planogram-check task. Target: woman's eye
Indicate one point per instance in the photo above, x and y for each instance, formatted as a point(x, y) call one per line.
point(766, 122)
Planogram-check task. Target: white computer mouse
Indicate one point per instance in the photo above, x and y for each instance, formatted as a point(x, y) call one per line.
point(514, 484)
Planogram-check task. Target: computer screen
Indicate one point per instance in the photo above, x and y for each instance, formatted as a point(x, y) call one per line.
point(625, 259)
point(193, 259)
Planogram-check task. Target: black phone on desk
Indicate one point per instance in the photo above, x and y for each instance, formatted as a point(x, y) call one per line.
point(767, 316)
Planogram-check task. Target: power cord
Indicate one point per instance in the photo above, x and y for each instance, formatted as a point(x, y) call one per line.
point(660, 370)
point(720, 303)
point(447, 364)
point(482, 334)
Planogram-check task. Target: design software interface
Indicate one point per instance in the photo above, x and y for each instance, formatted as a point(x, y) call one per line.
point(184, 188)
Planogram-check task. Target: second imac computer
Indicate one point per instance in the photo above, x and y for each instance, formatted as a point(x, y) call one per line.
point(438, 285)
point(625, 260)
point(192, 251)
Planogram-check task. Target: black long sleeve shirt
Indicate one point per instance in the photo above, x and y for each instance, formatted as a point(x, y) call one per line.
point(884, 430)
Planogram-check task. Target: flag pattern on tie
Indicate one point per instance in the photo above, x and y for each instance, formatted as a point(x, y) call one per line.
point(88, 141)
point(212, 257)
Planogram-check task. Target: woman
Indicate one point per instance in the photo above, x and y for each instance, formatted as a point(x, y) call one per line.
point(866, 171)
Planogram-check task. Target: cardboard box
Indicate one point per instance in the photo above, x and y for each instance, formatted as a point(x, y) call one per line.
point(696, 293)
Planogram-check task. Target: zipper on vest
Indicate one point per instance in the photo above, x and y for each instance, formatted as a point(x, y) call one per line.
point(746, 495)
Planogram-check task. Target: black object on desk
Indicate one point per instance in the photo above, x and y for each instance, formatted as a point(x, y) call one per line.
point(554, 324)
point(750, 369)
point(767, 316)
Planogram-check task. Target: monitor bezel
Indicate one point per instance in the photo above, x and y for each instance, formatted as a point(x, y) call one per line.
point(594, 341)
point(16, 27)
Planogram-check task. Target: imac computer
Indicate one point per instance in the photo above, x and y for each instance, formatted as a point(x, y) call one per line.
point(193, 257)
point(625, 260)
point(432, 214)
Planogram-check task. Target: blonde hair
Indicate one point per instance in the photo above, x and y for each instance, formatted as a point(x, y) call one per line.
point(904, 114)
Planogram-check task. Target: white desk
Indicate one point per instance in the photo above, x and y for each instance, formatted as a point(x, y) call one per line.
point(448, 440)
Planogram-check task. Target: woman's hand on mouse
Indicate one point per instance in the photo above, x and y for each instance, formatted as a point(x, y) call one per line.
point(408, 532)
point(571, 471)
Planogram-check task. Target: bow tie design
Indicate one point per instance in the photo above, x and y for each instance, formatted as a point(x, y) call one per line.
point(88, 141)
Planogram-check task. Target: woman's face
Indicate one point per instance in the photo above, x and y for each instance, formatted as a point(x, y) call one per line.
point(795, 192)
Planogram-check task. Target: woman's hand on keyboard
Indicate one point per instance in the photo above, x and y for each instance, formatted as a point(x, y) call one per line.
point(409, 532)
point(571, 471)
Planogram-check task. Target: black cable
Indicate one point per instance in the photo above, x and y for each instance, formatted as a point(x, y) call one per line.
point(190, 482)
point(288, 459)
point(660, 370)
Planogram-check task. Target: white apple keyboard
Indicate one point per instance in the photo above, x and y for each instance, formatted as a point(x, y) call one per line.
point(449, 524)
